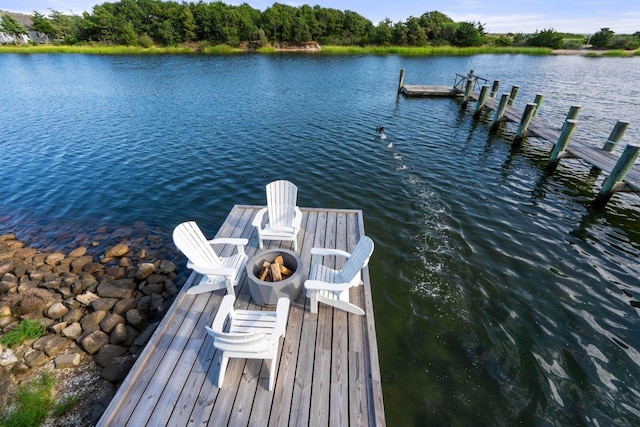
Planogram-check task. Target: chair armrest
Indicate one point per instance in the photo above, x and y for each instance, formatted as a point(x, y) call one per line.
point(328, 251)
point(297, 219)
point(319, 285)
point(240, 243)
point(282, 313)
point(229, 241)
point(214, 271)
point(226, 307)
point(257, 221)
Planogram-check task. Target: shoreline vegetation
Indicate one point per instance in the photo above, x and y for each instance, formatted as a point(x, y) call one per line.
point(309, 48)
point(135, 27)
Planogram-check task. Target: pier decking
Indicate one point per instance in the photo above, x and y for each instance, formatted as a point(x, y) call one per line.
point(433, 91)
point(327, 373)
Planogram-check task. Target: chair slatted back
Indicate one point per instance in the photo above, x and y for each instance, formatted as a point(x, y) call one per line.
point(358, 259)
point(189, 239)
point(282, 197)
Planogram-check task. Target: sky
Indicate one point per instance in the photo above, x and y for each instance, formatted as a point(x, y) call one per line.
point(497, 16)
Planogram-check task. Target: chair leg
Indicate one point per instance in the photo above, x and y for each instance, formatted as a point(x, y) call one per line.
point(230, 284)
point(223, 367)
point(260, 243)
point(295, 244)
point(313, 303)
point(272, 373)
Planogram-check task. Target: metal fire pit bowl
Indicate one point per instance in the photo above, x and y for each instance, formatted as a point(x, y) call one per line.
point(267, 293)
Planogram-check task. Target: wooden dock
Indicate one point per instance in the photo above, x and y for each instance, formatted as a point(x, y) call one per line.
point(430, 91)
point(623, 172)
point(327, 374)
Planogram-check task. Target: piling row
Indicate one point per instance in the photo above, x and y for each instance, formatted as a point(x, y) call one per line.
point(624, 174)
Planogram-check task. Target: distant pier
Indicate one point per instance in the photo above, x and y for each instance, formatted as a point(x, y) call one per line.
point(623, 174)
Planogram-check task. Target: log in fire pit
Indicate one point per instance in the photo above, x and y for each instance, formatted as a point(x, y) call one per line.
point(274, 274)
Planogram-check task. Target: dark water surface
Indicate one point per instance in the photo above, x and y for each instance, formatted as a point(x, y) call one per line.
point(500, 296)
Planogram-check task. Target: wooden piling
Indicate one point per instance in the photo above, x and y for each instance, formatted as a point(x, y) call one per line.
point(497, 119)
point(618, 174)
point(467, 92)
point(616, 135)
point(538, 101)
point(566, 133)
point(573, 112)
point(494, 88)
point(527, 115)
point(513, 95)
point(624, 175)
point(401, 82)
point(481, 100)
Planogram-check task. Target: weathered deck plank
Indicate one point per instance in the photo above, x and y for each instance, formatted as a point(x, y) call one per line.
point(427, 91)
point(327, 372)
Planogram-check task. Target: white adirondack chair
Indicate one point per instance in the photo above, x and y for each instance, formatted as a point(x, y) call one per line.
point(331, 286)
point(249, 334)
point(283, 216)
point(218, 272)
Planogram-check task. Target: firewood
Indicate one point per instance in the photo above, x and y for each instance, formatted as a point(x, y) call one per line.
point(279, 260)
point(276, 275)
point(264, 274)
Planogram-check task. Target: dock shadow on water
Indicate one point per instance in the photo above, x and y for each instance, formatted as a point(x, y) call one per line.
point(500, 297)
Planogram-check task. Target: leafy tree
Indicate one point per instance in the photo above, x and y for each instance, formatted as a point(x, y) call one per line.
point(330, 23)
point(439, 28)
point(469, 34)
point(101, 24)
point(355, 27)
point(383, 33)
point(13, 27)
point(167, 33)
point(277, 22)
point(188, 25)
point(400, 34)
point(301, 31)
point(62, 24)
point(545, 38)
point(128, 35)
point(602, 38)
point(415, 33)
point(42, 25)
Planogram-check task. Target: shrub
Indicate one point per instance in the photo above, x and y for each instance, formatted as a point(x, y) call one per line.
point(30, 301)
point(545, 38)
point(145, 41)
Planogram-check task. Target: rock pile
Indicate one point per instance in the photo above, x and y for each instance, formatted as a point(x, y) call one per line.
point(107, 308)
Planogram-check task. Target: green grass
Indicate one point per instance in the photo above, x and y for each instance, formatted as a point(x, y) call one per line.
point(267, 49)
point(33, 403)
point(618, 53)
point(432, 51)
point(26, 330)
point(220, 49)
point(97, 49)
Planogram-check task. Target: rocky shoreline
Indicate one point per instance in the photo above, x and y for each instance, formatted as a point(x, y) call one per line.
point(99, 312)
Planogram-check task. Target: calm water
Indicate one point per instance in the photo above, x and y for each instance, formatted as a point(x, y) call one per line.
point(500, 296)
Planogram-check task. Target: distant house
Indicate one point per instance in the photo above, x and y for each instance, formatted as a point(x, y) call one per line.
point(31, 35)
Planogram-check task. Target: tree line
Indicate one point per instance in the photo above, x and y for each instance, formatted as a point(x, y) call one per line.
point(168, 23)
